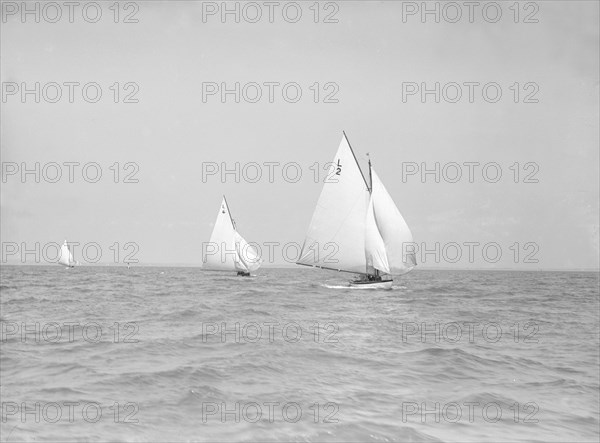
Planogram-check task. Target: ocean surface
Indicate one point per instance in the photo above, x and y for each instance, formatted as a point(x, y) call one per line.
point(179, 354)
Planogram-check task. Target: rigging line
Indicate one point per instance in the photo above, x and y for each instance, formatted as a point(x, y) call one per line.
point(355, 159)
point(229, 212)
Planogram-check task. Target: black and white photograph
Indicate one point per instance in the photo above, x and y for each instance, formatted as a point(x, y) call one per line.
point(305, 221)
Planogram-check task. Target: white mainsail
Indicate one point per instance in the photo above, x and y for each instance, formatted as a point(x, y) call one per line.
point(228, 250)
point(365, 225)
point(336, 235)
point(66, 258)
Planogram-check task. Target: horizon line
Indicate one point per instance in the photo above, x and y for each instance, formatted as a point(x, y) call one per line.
point(199, 267)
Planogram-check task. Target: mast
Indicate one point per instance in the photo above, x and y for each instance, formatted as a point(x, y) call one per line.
point(370, 175)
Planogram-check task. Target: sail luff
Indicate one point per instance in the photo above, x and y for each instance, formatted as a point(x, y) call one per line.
point(228, 211)
point(356, 161)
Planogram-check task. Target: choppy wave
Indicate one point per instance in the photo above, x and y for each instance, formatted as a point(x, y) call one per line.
point(179, 354)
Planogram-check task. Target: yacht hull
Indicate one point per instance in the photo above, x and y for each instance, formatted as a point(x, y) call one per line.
point(383, 284)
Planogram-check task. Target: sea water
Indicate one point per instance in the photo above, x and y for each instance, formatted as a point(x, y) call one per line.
point(180, 354)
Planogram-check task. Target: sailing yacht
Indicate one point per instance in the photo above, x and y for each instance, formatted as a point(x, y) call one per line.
point(228, 249)
point(66, 257)
point(356, 227)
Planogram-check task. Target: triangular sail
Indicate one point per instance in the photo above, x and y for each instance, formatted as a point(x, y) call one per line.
point(66, 258)
point(375, 252)
point(396, 235)
point(227, 249)
point(336, 235)
point(220, 254)
point(247, 254)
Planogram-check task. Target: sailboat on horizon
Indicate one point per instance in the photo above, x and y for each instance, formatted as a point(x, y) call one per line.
point(227, 249)
point(356, 227)
point(66, 256)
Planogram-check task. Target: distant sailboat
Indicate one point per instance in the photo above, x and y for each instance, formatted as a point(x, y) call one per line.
point(356, 227)
point(232, 253)
point(66, 257)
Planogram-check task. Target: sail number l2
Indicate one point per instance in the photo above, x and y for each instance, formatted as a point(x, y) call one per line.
point(338, 169)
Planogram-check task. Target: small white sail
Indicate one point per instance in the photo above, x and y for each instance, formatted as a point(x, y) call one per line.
point(336, 235)
point(396, 235)
point(66, 258)
point(247, 254)
point(227, 249)
point(220, 254)
point(375, 252)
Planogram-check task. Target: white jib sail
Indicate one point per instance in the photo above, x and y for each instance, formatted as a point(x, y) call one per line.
point(247, 254)
point(336, 235)
point(375, 251)
point(220, 254)
point(66, 258)
point(396, 235)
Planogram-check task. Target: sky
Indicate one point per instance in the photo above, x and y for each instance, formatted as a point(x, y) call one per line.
point(168, 132)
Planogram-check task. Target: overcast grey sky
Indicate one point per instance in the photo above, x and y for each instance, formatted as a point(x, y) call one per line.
point(371, 54)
